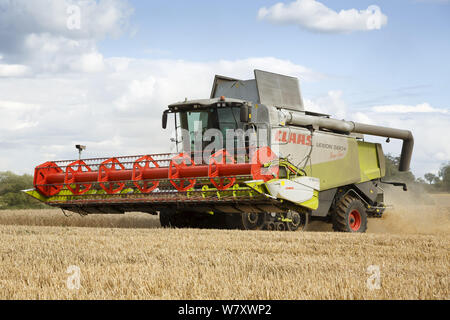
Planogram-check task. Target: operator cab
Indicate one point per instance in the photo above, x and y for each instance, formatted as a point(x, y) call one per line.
point(224, 115)
point(236, 105)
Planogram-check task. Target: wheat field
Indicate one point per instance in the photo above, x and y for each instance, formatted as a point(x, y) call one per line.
point(131, 257)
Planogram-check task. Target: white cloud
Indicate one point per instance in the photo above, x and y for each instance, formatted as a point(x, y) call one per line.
point(315, 16)
point(363, 118)
point(331, 104)
point(17, 116)
point(98, 19)
point(89, 62)
point(13, 70)
point(36, 33)
point(420, 108)
point(53, 54)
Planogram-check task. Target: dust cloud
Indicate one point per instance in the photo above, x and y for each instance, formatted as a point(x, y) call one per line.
point(412, 212)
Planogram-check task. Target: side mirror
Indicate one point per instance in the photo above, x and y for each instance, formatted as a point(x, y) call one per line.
point(245, 113)
point(164, 119)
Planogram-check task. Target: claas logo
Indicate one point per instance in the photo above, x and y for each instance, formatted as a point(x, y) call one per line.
point(293, 138)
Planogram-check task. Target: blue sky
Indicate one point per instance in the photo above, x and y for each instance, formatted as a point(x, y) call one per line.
point(106, 83)
point(404, 61)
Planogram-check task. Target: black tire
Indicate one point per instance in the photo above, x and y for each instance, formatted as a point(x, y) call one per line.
point(166, 218)
point(350, 215)
point(218, 221)
point(205, 220)
point(193, 220)
point(186, 220)
point(178, 220)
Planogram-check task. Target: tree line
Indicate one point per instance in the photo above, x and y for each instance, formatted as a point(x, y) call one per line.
point(11, 195)
point(12, 184)
point(431, 182)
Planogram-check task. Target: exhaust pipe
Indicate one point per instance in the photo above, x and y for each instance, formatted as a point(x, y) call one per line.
point(354, 127)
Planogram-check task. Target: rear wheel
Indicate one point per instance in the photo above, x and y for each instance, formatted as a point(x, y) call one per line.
point(350, 215)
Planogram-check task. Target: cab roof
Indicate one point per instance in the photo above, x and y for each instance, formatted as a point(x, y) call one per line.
point(205, 103)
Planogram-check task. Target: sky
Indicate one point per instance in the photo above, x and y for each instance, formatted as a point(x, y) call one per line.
point(101, 73)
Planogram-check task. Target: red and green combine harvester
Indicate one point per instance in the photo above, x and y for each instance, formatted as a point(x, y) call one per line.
point(282, 166)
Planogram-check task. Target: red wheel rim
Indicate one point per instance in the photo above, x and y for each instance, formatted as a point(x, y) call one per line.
point(354, 220)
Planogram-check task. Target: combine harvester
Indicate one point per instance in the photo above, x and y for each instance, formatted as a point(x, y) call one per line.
point(282, 167)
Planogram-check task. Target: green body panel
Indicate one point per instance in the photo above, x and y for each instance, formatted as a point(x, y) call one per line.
point(336, 159)
point(36, 195)
point(66, 195)
point(313, 203)
point(381, 160)
point(207, 192)
point(330, 157)
point(337, 173)
point(368, 161)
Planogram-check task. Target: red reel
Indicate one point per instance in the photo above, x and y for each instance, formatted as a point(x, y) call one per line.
point(139, 167)
point(40, 179)
point(176, 165)
point(104, 172)
point(79, 189)
point(261, 157)
point(218, 160)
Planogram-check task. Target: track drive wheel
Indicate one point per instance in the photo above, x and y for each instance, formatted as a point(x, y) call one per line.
point(350, 216)
point(300, 220)
point(246, 221)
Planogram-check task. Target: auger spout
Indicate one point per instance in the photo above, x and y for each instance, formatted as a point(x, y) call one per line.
point(298, 119)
